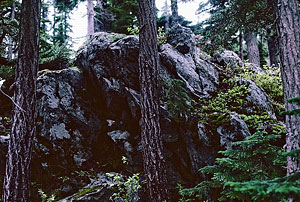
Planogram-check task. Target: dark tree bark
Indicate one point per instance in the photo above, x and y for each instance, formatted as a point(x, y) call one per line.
point(252, 47)
point(90, 14)
point(154, 162)
point(174, 9)
point(241, 39)
point(17, 179)
point(273, 49)
point(289, 42)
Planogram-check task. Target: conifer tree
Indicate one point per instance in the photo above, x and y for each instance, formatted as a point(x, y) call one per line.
point(289, 42)
point(153, 156)
point(17, 178)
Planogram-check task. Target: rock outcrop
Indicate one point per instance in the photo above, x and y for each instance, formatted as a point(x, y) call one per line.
point(88, 117)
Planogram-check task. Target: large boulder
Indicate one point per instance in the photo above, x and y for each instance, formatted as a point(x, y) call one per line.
point(257, 101)
point(232, 130)
point(88, 118)
point(200, 77)
point(229, 59)
point(71, 131)
point(182, 38)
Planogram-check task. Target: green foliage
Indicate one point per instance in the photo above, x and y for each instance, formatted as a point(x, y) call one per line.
point(85, 191)
point(5, 122)
point(277, 189)
point(54, 56)
point(200, 191)
point(161, 36)
point(216, 110)
point(269, 80)
point(176, 98)
point(46, 198)
point(125, 12)
point(256, 158)
point(9, 28)
point(229, 101)
point(133, 30)
point(295, 112)
point(244, 15)
point(126, 189)
point(6, 71)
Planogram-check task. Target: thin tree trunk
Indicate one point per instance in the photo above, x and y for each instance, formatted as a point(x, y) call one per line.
point(273, 50)
point(167, 26)
point(174, 9)
point(241, 39)
point(17, 179)
point(90, 14)
point(252, 47)
point(154, 162)
point(10, 40)
point(99, 25)
point(289, 42)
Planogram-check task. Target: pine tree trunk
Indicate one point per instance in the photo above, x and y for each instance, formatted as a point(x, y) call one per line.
point(241, 39)
point(99, 26)
point(273, 50)
point(90, 14)
point(289, 42)
point(154, 162)
point(174, 9)
point(17, 179)
point(252, 47)
point(10, 40)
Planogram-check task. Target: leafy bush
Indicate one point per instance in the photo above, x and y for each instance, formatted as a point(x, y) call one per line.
point(125, 189)
point(270, 81)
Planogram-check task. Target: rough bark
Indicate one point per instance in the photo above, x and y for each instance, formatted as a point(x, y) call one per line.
point(154, 162)
point(174, 9)
point(241, 39)
point(289, 42)
point(252, 47)
point(273, 50)
point(17, 179)
point(90, 14)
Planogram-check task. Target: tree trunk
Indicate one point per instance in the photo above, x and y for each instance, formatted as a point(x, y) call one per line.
point(289, 42)
point(90, 14)
point(99, 21)
point(273, 50)
point(17, 179)
point(241, 39)
point(252, 47)
point(174, 9)
point(10, 40)
point(154, 162)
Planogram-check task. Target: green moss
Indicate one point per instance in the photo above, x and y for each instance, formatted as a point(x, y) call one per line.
point(87, 190)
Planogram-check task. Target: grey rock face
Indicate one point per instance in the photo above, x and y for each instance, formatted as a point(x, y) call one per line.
point(228, 59)
point(3, 150)
point(253, 67)
point(91, 118)
point(235, 130)
point(67, 124)
point(257, 99)
point(182, 39)
point(115, 84)
point(201, 78)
